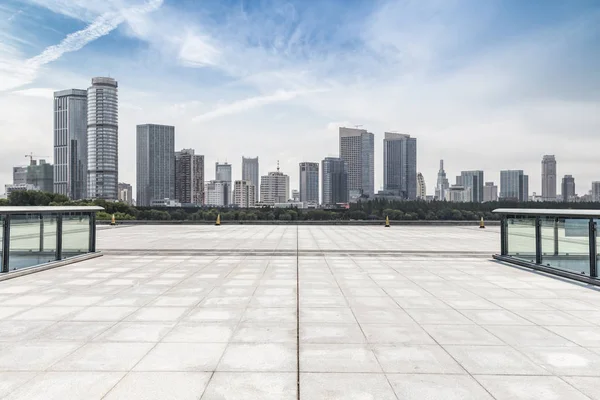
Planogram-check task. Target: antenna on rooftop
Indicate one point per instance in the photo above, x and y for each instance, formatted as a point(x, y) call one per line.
point(277, 165)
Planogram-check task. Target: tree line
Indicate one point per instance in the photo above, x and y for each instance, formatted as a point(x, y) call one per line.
point(377, 209)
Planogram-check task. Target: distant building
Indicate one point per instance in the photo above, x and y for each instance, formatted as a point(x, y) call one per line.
point(296, 195)
point(549, 178)
point(421, 188)
point(274, 188)
point(18, 187)
point(164, 203)
point(189, 177)
point(243, 194)
point(442, 183)
point(250, 172)
point(400, 165)
point(309, 182)
point(514, 185)
point(19, 175)
point(490, 192)
point(357, 148)
point(335, 181)
point(216, 193)
point(71, 143)
point(41, 175)
point(473, 182)
point(458, 194)
point(155, 163)
point(125, 193)
point(223, 173)
point(568, 189)
point(103, 139)
point(596, 191)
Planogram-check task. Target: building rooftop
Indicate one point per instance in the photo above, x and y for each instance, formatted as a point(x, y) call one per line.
point(247, 312)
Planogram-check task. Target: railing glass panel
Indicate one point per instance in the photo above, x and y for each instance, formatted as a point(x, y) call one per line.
point(521, 238)
point(566, 245)
point(76, 235)
point(25, 242)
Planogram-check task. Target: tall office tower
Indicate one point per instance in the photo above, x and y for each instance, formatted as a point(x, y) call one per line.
point(421, 188)
point(155, 163)
point(243, 194)
point(70, 143)
point(335, 181)
point(596, 191)
point(490, 192)
point(549, 178)
point(216, 193)
point(514, 185)
point(309, 182)
point(400, 165)
point(473, 181)
point(357, 148)
point(250, 173)
point(189, 177)
point(223, 174)
point(274, 187)
point(125, 193)
point(568, 188)
point(41, 175)
point(19, 175)
point(103, 139)
point(442, 183)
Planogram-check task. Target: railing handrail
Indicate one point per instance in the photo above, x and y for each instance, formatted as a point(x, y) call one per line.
point(47, 209)
point(542, 212)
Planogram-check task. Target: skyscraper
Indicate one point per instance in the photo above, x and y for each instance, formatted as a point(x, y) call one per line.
point(274, 187)
point(442, 184)
point(125, 193)
point(357, 148)
point(189, 177)
point(335, 181)
point(103, 139)
point(473, 184)
point(70, 143)
point(568, 188)
point(309, 182)
point(250, 172)
point(155, 163)
point(490, 192)
point(514, 185)
point(400, 165)
point(215, 193)
point(223, 174)
point(596, 191)
point(243, 194)
point(19, 175)
point(421, 188)
point(549, 178)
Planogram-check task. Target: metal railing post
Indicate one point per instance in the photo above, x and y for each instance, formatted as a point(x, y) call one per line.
point(92, 246)
point(4, 263)
point(504, 236)
point(593, 260)
point(41, 233)
point(538, 240)
point(555, 236)
point(59, 236)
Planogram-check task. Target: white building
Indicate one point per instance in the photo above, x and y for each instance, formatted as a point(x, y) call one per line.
point(164, 203)
point(421, 188)
point(274, 188)
point(243, 194)
point(216, 193)
point(19, 187)
point(490, 192)
point(458, 194)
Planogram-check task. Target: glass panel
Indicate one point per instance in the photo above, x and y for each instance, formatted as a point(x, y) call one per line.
point(49, 229)
point(521, 238)
point(566, 244)
point(76, 235)
point(25, 243)
point(1, 240)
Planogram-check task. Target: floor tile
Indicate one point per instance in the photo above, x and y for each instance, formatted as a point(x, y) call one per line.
point(462, 334)
point(523, 336)
point(251, 332)
point(74, 331)
point(587, 385)
point(201, 332)
point(103, 314)
point(431, 359)
point(439, 317)
point(259, 357)
point(135, 332)
point(337, 358)
point(434, 386)
point(565, 361)
point(104, 357)
point(160, 386)
point(10, 381)
point(251, 386)
point(494, 360)
point(33, 356)
point(182, 357)
point(327, 315)
point(332, 333)
point(529, 388)
point(335, 386)
point(396, 334)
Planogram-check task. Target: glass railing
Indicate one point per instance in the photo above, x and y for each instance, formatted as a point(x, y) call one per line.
point(31, 236)
point(559, 240)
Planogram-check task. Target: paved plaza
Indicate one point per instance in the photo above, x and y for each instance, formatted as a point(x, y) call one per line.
point(285, 312)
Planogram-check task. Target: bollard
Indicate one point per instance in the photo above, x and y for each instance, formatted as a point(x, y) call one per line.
point(218, 223)
point(481, 224)
point(113, 220)
point(387, 221)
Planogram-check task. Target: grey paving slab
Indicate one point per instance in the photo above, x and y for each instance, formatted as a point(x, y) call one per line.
point(435, 386)
point(160, 386)
point(529, 388)
point(251, 386)
point(336, 386)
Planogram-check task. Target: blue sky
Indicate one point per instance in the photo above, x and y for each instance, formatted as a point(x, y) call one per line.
point(482, 84)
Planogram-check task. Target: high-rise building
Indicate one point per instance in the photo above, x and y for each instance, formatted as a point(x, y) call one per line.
point(357, 148)
point(155, 163)
point(243, 194)
point(250, 172)
point(125, 193)
point(216, 193)
point(103, 139)
point(549, 178)
point(473, 183)
point(490, 192)
point(223, 174)
point(596, 191)
point(514, 185)
point(458, 194)
point(309, 182)
point(442, 183)
point(421, 188)
point(70, 143)
point(41, 175)
point(189, 177)
point(274, 187)
point(19, 175)
point(568, 188)
point(335, 181)
point(400, 165)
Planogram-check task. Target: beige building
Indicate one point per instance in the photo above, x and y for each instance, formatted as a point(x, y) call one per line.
point(274, 188)
point(244, 194)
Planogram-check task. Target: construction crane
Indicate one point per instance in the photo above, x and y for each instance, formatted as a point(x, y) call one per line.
point(31, 155)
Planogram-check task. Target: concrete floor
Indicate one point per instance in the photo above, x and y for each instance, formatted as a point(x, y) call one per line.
point(364, 312)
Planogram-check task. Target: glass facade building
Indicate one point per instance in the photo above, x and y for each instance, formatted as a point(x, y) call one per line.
point(309, 182)
point(250, 172)
point(155, 163)
point(514, 185)
point(334, 181)
point(473, 183)
point(357, 148)
point(400, 165)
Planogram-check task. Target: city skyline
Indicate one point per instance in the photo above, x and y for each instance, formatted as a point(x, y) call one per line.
point(426, 68)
